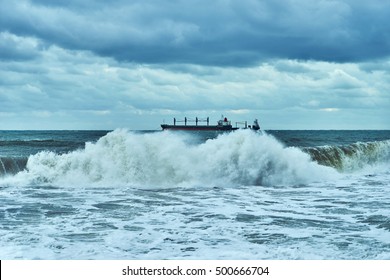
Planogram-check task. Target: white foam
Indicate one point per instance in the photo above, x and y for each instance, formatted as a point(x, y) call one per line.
point(167, 159)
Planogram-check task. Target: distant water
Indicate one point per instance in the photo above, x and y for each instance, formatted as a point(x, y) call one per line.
point(164, 195)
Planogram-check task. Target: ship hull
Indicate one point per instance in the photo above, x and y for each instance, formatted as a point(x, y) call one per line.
point(198, 127)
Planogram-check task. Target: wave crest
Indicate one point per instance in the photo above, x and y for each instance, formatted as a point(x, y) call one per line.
point(170, 159)
point(352, 157)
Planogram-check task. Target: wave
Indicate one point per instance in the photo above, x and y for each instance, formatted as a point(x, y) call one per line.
point(347, 158)
point(37, 143)
point(11, 166)
point(169, 159)
point(24, 142)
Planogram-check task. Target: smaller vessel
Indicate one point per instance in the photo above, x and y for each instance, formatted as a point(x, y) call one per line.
point(196, 125)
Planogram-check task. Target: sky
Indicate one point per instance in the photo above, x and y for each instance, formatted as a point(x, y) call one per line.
point(292, 64)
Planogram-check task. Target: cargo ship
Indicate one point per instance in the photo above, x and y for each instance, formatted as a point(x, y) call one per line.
point(198, 124)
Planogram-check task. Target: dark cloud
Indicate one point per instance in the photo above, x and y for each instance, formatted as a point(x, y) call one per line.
point(236, 33)
point(97, 64)
point(18, 48)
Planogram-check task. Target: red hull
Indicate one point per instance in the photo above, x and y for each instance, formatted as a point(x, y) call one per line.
point(198, 127)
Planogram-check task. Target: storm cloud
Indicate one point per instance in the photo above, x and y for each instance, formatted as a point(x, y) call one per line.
point(235, 33)
point(98, 64)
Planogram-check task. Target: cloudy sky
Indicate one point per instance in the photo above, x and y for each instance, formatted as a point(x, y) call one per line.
point(96, 64)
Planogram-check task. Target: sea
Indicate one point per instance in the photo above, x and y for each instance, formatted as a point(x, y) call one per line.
point(140, 195)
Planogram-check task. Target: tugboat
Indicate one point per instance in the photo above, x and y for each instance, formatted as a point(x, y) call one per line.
point(222, 125)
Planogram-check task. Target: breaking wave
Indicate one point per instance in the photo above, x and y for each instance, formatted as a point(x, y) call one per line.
point(11, 166)
point(352, 157)
point(169, 159)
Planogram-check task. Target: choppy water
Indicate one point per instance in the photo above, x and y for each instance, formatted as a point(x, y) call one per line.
point(162, 195)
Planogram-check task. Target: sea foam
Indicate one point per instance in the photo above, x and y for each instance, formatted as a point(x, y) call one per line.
point(167, 159)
